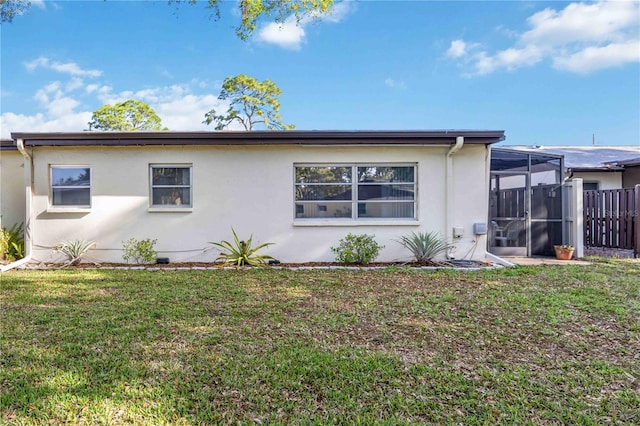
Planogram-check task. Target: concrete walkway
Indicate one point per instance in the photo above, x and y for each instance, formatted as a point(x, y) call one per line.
point(538, 260)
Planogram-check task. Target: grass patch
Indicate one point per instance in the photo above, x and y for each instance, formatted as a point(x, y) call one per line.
point(535, 345)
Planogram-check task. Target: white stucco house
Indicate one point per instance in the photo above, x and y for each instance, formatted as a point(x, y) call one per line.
point(301, 190)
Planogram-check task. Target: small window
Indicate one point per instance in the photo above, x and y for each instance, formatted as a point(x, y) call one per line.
point(590, 186)
point(71, 186)
point(171, 186)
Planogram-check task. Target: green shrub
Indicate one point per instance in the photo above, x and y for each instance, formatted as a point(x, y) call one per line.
point(240, 252)
point(357, 249)
point(12, 242)
point(424, 245)
point(140, 251)
point(74, 250)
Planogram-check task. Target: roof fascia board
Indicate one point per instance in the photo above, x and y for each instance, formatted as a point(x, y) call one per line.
point(330, 138)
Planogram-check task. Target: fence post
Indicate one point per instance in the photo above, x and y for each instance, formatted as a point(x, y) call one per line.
point(636, 219)
point(577, 211)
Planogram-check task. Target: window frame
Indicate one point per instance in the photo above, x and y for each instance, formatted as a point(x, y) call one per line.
point(591, 182)
point(179, 207)
point(83, 207)
point(355, 202)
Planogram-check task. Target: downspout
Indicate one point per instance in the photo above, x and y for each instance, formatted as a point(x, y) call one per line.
point(449, 189)
point(28, 183)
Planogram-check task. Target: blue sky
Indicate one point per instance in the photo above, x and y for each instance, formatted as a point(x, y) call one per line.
point(548, 73)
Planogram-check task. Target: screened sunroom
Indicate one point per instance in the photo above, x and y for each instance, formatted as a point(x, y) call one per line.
point(526, 208)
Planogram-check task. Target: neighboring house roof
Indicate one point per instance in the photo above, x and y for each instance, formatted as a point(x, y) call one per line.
point(630, 162)
point(588, 158)
point(287, 137)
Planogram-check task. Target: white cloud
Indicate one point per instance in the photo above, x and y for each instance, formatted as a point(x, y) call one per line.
point(178, 105)
point(62, 106)
point(187, 112)
point(395, 84)
point(90, 88)
point(74, 83)
point(338, 12)
point(457, 49)
point(581, 38)
point(291, 33)
point(595, 58)
point(40, 122)
point(509, 59)
point(288, 35)
point(70, 68)
point(582, 22)
point(69, 105)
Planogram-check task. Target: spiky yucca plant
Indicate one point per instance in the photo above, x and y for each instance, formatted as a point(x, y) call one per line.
point(424, 245)
point(240, 252)
point(74, 250)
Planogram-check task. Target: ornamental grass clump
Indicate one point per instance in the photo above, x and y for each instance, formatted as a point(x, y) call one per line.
point(357, 249)
point(74, 250)
point(240, 252)
point(424, 246)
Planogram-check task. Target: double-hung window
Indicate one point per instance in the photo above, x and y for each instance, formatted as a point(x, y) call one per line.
point(355, 191)
point(70, 186)
point(171, 186)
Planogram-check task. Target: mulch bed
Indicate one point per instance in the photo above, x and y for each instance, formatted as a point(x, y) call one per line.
point(306, 265)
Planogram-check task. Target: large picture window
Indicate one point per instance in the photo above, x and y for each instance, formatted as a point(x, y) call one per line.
point(367, 191)
point(71, 186)
point(171, 186)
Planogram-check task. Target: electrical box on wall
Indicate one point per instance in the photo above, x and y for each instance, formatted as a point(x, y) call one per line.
point(458, 231)
point(480, 228)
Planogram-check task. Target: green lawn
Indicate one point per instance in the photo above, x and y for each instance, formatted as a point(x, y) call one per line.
point(539, 345)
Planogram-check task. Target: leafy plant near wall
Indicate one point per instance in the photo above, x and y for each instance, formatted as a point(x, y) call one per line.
point(357, 249)
point(74, 250)
point(240, 252)
point(12, 242)
point(140, 251)
point(424, 245)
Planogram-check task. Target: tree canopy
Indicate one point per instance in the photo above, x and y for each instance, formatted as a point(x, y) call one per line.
point(130, 115)
point(9, 9)
point(252, 102)
point(251, 10)
point(278, 10)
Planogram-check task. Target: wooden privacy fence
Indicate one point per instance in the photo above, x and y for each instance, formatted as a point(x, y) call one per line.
point(611, 218)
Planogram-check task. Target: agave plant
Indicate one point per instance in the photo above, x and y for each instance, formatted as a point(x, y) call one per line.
point(74, 250)
point(424, 245)
point(240, 252)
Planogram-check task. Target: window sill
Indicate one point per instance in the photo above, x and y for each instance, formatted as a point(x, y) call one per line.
point(51, 209)
point(170, 209)
point(350, 222)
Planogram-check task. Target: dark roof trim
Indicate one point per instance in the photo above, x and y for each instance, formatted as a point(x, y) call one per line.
point(523, 152)
point(7, 144)
point(596, 169)
point(289, 137)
